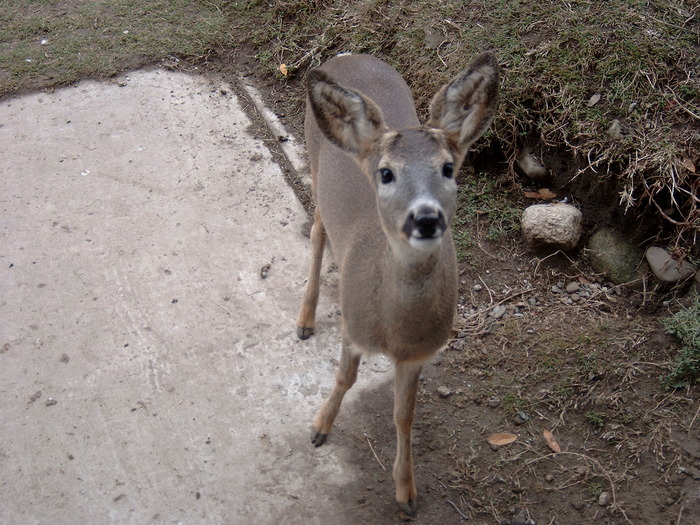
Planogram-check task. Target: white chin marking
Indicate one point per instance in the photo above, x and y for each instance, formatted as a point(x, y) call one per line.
point(425, 244)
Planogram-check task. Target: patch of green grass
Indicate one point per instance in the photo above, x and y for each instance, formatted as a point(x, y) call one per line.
point(513, 403)
point(685, 325)
point(594, 489)
point(44, 44)
point(482, 205)
point(596, 419)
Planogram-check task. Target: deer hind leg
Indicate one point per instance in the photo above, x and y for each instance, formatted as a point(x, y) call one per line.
point(307, 314)
point(405, 392)
point(344, 379)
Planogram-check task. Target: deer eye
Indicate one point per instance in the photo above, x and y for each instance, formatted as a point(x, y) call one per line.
point(448, 170)
point(386, 175)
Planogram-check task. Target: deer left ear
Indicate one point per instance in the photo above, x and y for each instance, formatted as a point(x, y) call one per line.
point(346, 117)
point(465, 107)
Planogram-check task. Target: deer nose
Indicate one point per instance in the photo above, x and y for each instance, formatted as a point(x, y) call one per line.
point(426, 223)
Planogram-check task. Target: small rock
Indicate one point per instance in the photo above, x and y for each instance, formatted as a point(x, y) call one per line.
point(477, 288)
point(666, 268)
point(532, 166)
point(604, 499)
point(498, 312)
point(549, 478)
point(555, 225)
point(443, 391)
point(532, 301)
point(573, 287)
point(611, 254)
point(64, 358)
point(520, 418)
point(615, 129)
point(593, 100)
point(458, 344)
point(493, 401)
point(51, 402)
point(556, 289)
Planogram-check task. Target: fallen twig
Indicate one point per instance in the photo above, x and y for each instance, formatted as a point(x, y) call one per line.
point(458, 511)
point(375, 454)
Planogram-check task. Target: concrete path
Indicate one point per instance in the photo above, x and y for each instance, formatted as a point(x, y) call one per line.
point(148, 373)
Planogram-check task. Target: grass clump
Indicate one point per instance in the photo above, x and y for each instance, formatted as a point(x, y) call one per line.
point(637, 58)
point(685, 325)
point(43, 44)
point(481, 204)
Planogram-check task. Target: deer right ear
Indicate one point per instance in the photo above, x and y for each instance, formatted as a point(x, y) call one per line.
point(465, 107)
point(346, 117)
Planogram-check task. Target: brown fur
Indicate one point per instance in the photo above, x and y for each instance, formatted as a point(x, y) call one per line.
point(398, 291)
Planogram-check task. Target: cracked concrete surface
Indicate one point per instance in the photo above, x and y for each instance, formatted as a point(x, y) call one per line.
point(149, 373)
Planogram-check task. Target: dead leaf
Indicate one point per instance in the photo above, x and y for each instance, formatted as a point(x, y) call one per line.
point(549, 437)
point(689, 164)
point(542, 195)
point(501, 439)
point(284, 70)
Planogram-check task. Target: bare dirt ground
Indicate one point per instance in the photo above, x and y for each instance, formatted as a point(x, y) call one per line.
point(586, 367)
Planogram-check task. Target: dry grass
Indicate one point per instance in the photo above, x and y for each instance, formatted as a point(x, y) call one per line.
point(639, 58)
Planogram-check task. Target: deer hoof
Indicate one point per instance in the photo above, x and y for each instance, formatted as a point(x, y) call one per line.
point(409, 508)
point(304, 332)
point(317, 438)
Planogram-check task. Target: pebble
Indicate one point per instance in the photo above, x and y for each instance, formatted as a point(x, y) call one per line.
point(573, 287)
point(498, 312)
point(477, 288)
point(549, 478)
point(51, 402)
point(493, 401)
point(458, 345)
point(443, 391)
point(520, 418)
point(532, 301)
point(604, 499)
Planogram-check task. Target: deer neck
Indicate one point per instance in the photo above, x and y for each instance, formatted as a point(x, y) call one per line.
point(411, 275)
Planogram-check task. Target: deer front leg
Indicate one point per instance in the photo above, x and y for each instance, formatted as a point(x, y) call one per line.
point(344, 379)
point(405, 392)
point(307, 314)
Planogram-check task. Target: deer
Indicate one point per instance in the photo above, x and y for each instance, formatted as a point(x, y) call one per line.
point(384, 191)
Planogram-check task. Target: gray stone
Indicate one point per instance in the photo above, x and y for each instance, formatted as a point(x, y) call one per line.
point(611, 254)
point(531, 166)
point(604, 499)
point(498, 312)
point(520, 418)
point(556, 225)
point(573, 287)
point(615, 129)
point(666, 268)
point(443, 391)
